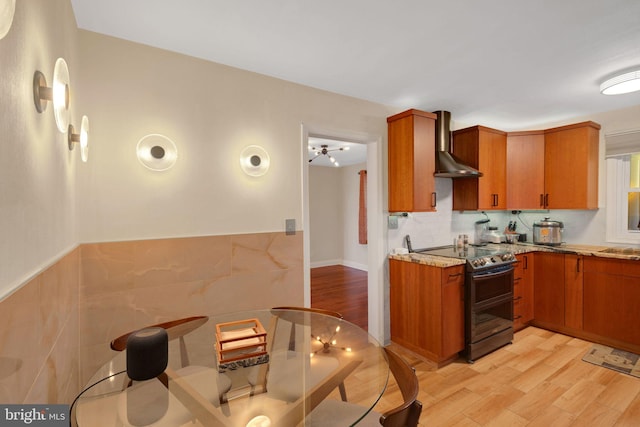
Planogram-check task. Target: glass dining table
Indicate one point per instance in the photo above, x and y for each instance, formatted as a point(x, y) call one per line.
point(255, 368)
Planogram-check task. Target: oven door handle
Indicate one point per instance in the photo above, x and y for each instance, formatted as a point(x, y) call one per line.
point(488, 276)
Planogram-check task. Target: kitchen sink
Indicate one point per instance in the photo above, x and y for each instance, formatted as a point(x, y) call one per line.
point(621, 251)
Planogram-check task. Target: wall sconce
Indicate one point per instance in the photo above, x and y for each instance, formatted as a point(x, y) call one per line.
point(7, 9)
point(58, 93)
point(82, 138)
point(157, 152)
point(254, 160)
point(622, 83)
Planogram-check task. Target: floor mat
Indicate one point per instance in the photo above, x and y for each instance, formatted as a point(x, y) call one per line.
point(618, 360)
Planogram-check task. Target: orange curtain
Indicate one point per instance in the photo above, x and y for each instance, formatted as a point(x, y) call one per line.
point(362, 216)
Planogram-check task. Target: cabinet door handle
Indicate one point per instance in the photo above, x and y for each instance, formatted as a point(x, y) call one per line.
point(517, 317)
point(517, 298)
point(546, 200)
point(542, 200)
point(433, 199)
point(526, 262)
point(578, 265)
point(455, 275)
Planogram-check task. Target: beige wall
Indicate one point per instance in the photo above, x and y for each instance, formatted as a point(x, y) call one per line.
point(211, 112)
point(39, 265)
point(50, 202)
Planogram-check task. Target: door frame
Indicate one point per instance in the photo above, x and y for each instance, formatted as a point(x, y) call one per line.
point(376, 234)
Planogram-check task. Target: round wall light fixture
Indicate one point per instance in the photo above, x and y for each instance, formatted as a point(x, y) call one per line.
point(622, 83)
point(7, 10)
point(254, 160)
point(82, 138)
point(157, 152)
point(58, 93)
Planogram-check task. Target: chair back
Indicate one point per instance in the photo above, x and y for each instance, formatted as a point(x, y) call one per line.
point(407, 414)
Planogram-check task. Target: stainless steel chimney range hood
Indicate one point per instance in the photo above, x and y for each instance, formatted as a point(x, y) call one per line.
point(447, 165)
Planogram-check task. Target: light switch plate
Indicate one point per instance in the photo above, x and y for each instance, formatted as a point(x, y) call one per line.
point(290, 227)
point(393, 222)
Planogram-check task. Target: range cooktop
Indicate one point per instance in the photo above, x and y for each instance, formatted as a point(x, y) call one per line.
point(476, 256)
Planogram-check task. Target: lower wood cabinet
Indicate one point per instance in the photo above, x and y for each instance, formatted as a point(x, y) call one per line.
point(549, 295)
point(523, 291)
point(427, 309)
point(612, 300)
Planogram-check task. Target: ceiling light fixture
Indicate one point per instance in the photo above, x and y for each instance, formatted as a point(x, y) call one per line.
point(7, 10)
point(82, 138)
point(254, 160)
point(324, 151)
point(157, 152)
point(58, 93)
point(622, 83)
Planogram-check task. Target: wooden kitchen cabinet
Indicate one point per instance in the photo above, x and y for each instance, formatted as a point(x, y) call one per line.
point(573, 290)
point(411, 159)
point(523, 278)
point(612, 301)
point(549, 290)
point(484, 149)
point(525, 170)
point(427, 309)
point(571, 166)
point(558, 287)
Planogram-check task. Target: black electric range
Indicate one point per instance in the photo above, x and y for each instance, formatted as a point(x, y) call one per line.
point(477, 257)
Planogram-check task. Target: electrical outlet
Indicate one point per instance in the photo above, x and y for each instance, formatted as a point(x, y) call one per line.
point(290, 227)
point(393, 222)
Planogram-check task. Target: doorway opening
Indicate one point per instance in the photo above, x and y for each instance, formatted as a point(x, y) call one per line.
point(356, 258)
point(338, 227)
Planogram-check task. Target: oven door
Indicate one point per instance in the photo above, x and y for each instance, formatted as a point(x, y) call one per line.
point(490, 285)
point(489, 302)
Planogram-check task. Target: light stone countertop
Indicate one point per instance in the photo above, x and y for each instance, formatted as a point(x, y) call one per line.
point(522, 248)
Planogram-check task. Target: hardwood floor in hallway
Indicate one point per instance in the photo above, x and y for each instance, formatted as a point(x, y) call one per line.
point(342, 289)
point(538, 381)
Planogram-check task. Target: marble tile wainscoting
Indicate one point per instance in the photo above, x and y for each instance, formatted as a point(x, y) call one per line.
point(57, 327)
point(39, 344)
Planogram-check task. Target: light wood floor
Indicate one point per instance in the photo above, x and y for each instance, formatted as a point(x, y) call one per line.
point(539, 380)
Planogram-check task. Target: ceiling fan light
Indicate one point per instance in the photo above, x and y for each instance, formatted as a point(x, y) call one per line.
point(623, 83)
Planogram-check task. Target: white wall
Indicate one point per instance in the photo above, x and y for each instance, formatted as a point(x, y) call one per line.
point(333, 214)
point(581, 226)
point(37, 171)
point(326, 220)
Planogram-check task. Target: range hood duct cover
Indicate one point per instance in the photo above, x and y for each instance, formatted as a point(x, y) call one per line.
point(447, 165)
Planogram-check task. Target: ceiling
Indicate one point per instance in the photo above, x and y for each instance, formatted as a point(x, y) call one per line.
point(351, 154)
point(507, 64)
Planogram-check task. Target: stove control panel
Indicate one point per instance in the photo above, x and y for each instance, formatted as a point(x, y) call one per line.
point(493, 260)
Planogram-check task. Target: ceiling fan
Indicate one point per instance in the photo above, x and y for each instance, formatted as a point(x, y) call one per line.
point(324, 151)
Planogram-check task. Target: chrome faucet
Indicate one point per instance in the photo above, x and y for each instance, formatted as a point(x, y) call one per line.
point(408, 239)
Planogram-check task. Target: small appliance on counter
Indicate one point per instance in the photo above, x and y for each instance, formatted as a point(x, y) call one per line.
point(492, 235)
point(548, 232)
point(479, 230)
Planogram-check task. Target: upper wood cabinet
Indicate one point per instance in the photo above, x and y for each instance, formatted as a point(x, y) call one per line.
point(553, 169)
point(486, 150)
point(525, 170)
point(571, 166)
point(412, 161)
